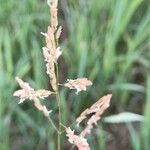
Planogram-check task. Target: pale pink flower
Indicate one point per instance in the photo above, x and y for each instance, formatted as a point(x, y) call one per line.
point(78, 84)
point(46, 53)
point(51, 52)
point(53, 9)
point(38, 104)
point(50, 70)
point(93, 119)
point(42, 93)
point(50, 39)
point(98, 108)
point(27, 92)
point(78, 141)
point(51, 56)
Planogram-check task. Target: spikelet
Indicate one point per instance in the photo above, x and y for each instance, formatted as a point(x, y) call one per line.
point(78, 84)
point(78, 141)
point(98, 109)
point(58, 32)
point(51, 52)
point(53, 10)
point(26, 92)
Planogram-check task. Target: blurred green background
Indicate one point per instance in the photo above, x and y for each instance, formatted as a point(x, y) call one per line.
point(107, 41)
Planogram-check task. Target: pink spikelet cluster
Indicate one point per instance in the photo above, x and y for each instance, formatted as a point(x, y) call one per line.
point(79, 141)
point(51, 51)
point(97, 109)
point(78, 84)
point(26, 92)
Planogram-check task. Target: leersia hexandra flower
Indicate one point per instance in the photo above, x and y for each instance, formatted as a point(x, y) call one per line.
point(79, 84)
point(53, 10)
point(51, 56)
point(26, 92)
point(51, 51)
point(97, 108)
point(79, 141)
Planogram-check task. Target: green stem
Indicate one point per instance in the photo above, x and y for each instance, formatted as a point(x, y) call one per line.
point(59, 120)
point(59, 110)
point(50, 120)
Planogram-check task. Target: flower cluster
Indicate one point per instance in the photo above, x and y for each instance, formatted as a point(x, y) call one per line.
point(26, 92)
point(79, 141)
point(78, 84)
point(51, 53)
point(97, 110)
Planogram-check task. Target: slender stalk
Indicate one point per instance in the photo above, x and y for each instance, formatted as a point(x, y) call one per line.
point(59, 120)
point(59, 110)
point(54, 126)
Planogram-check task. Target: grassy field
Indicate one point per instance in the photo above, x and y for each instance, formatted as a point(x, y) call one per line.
point(106, 41)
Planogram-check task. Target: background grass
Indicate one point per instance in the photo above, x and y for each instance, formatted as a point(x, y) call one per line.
point(106, 41)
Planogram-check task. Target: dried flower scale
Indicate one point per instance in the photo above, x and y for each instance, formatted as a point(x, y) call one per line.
point(51, 53)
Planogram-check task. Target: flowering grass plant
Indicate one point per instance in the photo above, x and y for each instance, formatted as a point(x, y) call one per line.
point(51, 53)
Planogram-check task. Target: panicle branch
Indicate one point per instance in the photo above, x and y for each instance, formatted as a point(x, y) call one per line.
point(98, 109)
point(26, 92)
point(51, 52)
point(79, 141)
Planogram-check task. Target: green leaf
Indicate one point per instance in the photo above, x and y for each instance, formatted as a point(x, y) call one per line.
point(128, 87)
point(124, 117)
